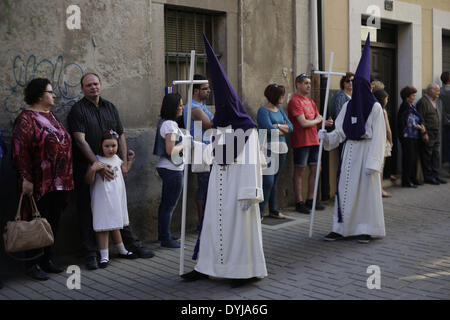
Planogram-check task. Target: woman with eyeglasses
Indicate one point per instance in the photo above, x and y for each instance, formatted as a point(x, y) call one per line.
point(274, 120)
point(344, 95)
point(42, 156)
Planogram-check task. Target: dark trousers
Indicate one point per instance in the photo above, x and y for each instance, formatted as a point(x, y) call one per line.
point(88, 238)
point(429, 155)
point(410, 150)
point(50, 206)
point(171, 192)
point(270, 187)
point(447, 146)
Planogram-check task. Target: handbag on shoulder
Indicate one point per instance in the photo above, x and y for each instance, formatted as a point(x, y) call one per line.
point(20, 235)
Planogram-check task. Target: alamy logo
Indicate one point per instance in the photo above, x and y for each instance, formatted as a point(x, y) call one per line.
point(73, 21)
point(74, 280)
point(228, 143)
point(374, 281)
point(374, 19)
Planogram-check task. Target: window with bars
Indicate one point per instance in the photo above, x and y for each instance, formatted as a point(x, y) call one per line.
point(183, 33)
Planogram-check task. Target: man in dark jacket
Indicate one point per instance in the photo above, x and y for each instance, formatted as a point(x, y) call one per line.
point(444, 96)
point(429, 152)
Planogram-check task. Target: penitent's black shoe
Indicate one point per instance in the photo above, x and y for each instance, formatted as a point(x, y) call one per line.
point(194, 276)
point(333, 236)
point(364, 238)
point(236, 283)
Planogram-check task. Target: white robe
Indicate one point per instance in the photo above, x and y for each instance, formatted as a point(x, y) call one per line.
point(359, 193)
point(231, 240)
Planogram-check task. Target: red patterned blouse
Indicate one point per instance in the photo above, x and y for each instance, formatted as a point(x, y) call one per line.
point(42, 152)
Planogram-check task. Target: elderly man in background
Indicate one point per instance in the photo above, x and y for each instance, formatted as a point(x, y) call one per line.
point(429, 151)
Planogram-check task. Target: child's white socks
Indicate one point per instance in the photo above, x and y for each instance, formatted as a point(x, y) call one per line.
point(121, 248)
point(104, 255)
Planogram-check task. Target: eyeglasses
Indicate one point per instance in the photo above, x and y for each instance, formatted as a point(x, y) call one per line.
point(348, 80)
point(51, 92)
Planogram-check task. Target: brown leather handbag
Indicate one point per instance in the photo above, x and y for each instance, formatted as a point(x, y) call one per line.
point(20, 235)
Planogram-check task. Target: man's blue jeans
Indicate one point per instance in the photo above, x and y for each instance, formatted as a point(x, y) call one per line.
point(171, 191)
point(270, 188)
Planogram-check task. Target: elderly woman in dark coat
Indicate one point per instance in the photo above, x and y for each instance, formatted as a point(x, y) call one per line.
point(411, 130)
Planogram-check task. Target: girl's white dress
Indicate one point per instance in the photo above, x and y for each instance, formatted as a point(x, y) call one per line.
point(109, 198)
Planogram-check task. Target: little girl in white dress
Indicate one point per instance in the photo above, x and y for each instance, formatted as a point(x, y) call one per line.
point(109, 198)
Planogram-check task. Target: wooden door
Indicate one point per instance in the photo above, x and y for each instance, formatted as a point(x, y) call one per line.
point(383, 67)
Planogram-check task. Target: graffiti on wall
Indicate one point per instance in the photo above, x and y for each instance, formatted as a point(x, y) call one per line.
point(65, 79)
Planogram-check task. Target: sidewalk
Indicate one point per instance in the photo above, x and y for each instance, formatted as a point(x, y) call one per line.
point(413, 259)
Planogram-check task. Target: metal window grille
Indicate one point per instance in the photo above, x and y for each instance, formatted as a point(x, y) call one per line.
point(183, 33)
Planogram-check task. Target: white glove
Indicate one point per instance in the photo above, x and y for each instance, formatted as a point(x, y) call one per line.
point(245, 204)
point(187, 141)
point(370, 171)
point(323, 134)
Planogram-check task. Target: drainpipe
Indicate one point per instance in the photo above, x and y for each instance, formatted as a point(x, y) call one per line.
point(315, 36)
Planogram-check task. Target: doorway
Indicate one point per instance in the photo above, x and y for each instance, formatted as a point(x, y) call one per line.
point(383, 65)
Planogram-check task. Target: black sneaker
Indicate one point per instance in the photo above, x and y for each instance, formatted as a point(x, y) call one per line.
point(364, 238)
point(37, 273)
point(302, 208)
point(333, 236)
point(309, 204)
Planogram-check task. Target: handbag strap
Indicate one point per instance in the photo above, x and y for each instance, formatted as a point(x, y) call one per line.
point(17, 218)
point(34, 209)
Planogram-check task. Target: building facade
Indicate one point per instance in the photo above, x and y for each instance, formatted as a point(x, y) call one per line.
point(138, 48)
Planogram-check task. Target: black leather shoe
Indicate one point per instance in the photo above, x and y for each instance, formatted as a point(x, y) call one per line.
point(236, 283)
point(37, 273)
point(432, 181)
point(194, 276)
point(103, 265)
point(50, 267)
point(440, 180)
point(144, 253)
point(91, 263)
point(417, 183)
point(129, 255)
point(409, 185)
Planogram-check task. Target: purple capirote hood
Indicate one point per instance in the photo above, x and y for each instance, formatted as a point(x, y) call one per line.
point(360, 106)
point(229, 108)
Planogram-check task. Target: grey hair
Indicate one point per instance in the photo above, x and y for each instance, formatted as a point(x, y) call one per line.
point(431, 86)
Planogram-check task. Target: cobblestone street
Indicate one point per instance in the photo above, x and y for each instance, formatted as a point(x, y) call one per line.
point(414, 261)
